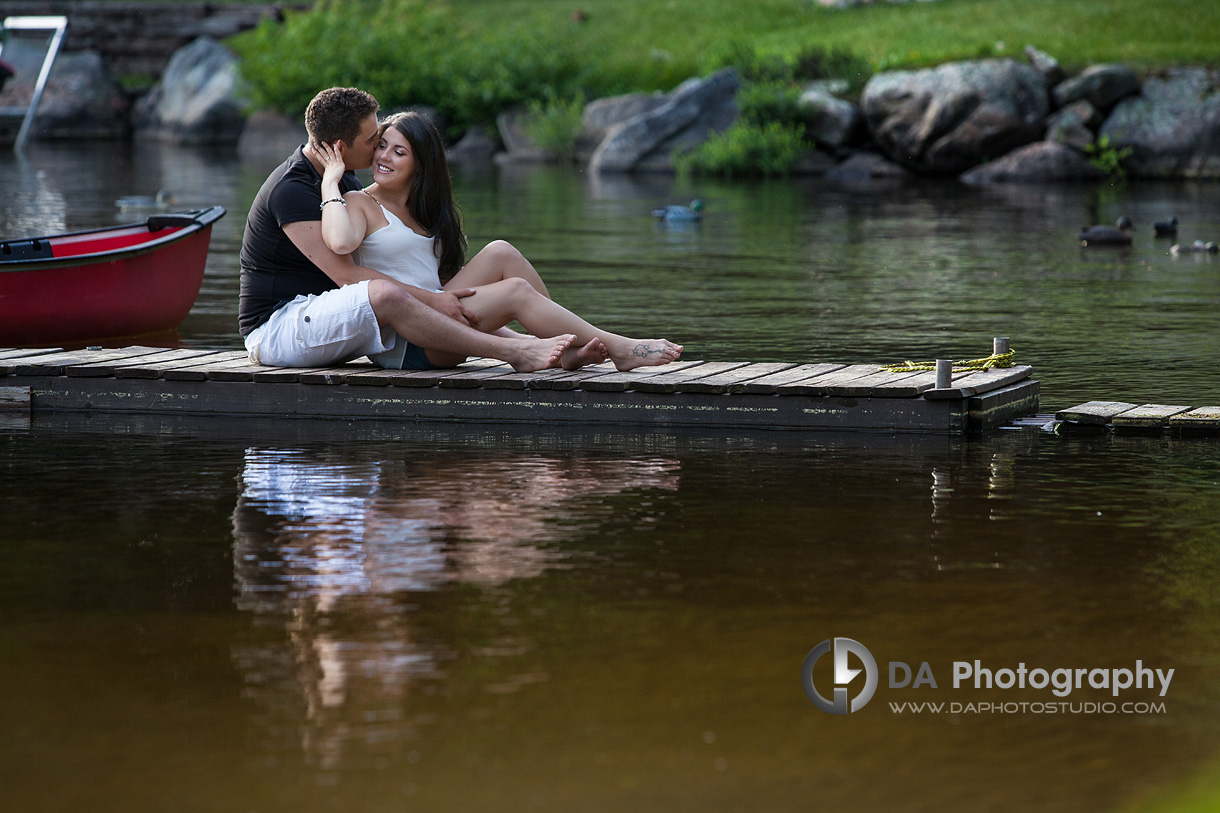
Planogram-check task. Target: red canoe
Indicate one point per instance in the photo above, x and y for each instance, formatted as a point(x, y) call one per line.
point(105, 283)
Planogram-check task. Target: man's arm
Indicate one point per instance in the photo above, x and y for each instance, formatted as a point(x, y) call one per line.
point(306, 235)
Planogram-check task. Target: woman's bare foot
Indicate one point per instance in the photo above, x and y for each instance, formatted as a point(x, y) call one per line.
point(531, 355)
point(645, 353)
point(592, 353)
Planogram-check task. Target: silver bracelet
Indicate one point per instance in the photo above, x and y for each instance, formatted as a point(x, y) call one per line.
point(322, 205)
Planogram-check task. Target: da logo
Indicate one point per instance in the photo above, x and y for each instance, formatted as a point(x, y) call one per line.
point(843, 675)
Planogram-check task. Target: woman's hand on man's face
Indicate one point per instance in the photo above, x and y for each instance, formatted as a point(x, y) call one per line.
point(332, 161)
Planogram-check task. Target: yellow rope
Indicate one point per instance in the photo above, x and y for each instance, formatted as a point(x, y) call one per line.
point(974, 365)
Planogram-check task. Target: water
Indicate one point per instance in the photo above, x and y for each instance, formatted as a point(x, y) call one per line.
point(295, 615)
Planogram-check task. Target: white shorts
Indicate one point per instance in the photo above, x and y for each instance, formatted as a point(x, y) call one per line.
point(320, 330)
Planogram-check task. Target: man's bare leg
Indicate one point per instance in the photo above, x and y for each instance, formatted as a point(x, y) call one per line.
point(417, 323)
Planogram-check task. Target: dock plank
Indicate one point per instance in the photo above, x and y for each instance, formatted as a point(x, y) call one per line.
point(724, 382)
point(1206, 417)
point(868, 385)
point(621, 382)
point(469, 379)
point(1148, 416)
point(917, 384)
point(556, 379)
point(152, 366)
point(978, 383)
point(15, 353)
point(104, 368)
point(55, 363)
point(14, 399)
point(818, 384)
point(669, 380)
point(1094, 412)
point(371, 375)
point(767, 384)
point(198, 369)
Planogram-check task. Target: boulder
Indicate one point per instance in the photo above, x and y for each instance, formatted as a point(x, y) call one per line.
point(476, 147)
point(80, 100)
point(1074, 125)
point(198, 100)
point(270, 136)
point(602, 114)
point(1046, 65)
point(1036, 163)
point(1172, 127)
point(947, 119)
point(830, 121)
point(863, 166)
point(691, 112)
point(1102, 86)
point(513, 127)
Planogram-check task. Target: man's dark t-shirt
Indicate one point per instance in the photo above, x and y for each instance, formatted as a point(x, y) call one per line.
point(273, 270)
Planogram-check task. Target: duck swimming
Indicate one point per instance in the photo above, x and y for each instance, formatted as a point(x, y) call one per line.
point(680, 214)
point(1117, 235)
point(1166, 228)
point(1197, 247)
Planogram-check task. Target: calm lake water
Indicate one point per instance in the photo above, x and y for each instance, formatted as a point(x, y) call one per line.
point(317, 616)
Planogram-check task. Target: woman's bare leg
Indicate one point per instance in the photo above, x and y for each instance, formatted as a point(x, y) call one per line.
point(497, 262)
point(499, 303)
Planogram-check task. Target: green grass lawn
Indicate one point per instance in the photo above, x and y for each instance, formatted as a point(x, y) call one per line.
point(663, 41)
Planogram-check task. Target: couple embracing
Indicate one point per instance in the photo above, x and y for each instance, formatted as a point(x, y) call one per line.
point(331, 271)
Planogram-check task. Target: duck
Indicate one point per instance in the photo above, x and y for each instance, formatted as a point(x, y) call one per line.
point(1166, 228)
point(1197, 247)
point(1117, 235)
point(680, 214)
point(162, 201)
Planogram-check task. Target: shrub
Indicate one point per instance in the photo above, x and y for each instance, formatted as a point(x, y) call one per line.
point(554, 126)
point(747, 149)
point(1108, 158)
point(763, 102)
point(410, 52)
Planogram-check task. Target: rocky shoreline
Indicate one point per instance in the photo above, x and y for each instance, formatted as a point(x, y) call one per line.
point(983, 121)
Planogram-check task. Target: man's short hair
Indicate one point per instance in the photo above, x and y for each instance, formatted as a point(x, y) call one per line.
point(337, 113)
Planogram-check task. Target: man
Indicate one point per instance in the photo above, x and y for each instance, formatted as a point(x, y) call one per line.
point(302, 305)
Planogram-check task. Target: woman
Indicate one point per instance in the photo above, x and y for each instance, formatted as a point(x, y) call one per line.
point(406, 224)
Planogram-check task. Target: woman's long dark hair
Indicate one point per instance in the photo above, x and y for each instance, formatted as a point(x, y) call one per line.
point(430, 199)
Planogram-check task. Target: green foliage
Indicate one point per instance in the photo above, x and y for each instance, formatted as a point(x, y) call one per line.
point(408, 52)
point(1108, 158)
point(555, 124)
point(747, 149)
point(763, 102)
point(816, 62)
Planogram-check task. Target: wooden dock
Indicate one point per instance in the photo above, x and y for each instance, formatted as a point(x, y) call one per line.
point(1120, 416)
point(698, 394)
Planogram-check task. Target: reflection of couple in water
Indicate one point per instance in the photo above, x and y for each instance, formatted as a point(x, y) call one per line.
point(332, 271)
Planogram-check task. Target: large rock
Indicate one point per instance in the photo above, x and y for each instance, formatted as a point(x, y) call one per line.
point(600, 115)
point(830, 121)
point(477, 146)
point(866, 166)
point(1172, 127)
point(1102, 86)
point(81, 100)
point(1074, 125)
point(693, 110)
point(198, 100)
point(1046, 65)
point(947, 119)
point(1036, 163)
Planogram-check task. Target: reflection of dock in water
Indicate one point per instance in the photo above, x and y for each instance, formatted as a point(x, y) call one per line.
point(696, 394)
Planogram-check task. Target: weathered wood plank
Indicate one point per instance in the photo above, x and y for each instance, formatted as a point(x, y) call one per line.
point(620, 382)
point(801, 372)
point(1148, 416)
point(109, 367)
point(1094, 412)
point(981, 382)
point(14, 399)
point(723, 382)
point(469, 379)
point(556, 379)
point(152, 366)
point(55, 363)
point(198, 369)
point(818, 385)
point(377, 377)
point(916, 384)
point(869, 385)
point(15, 353)
point(1201, 418)
point(669, 380)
